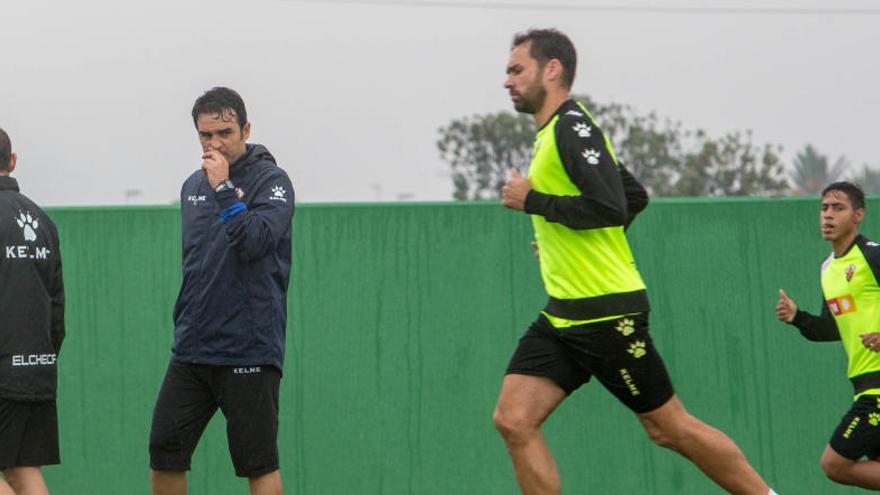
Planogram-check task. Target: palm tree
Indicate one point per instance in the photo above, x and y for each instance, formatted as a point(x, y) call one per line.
point(869, 180)
point(812, 172)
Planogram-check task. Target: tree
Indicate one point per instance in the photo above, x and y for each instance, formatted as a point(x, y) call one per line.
point(668, 159)
point(812, 173)
point(731, 166)
point(650, 147)
point(483, 149)
point(869, 180)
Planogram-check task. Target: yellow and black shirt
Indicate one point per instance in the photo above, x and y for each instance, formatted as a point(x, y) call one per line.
point(851, 308)
point(581, 201)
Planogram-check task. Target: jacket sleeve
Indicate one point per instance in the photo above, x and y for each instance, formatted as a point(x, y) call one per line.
point(636, 195)
point(254, 230)
point(592, 168)
point(57, 330)
point(820, 328)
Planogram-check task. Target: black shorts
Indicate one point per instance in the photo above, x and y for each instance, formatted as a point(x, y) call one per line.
point(191, 394)
point(28, 434)
point(858, 434)
point(618, 352)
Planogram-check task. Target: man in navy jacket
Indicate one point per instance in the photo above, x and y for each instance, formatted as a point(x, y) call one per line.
point(231, 312)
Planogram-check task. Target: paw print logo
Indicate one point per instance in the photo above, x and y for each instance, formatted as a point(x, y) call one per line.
point(583, 130)
point(637, 349)
point(592, 156)
point(626, 327)
point(278, 192)
point(874, 419)
point(28, 224)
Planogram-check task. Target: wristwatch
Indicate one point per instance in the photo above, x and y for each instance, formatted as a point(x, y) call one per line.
point(225, 185)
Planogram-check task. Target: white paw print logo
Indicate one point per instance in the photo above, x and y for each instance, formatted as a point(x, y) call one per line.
point(583, 129)
point(592, 156)
point(626, 327)
point(637, 349)
point(28, 224)
point(278, 193)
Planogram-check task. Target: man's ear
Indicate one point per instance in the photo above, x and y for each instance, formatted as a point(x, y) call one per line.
point(246, 131)
point(553, 71)
point(859, 215)
point(13, 158)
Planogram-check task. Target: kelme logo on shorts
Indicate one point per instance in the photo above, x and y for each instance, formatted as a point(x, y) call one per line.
point(247, 371)
point(842, 305)
point(874, 419)
point(630, 383)
point(852, 427)
point(637, 349)
point(626, 327)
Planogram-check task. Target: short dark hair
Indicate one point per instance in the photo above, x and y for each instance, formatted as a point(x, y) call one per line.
point(5, 150)
point(548, 44)
point(218, 101)
point(853, 192)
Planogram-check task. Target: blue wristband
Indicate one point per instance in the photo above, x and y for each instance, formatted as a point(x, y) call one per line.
point(231, 211)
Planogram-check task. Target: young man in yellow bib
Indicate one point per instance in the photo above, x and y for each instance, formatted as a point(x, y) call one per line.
point(596, 321)
point(850, 313)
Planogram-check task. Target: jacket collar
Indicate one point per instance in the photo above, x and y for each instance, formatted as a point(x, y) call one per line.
point(8, 183)
point(237, 168)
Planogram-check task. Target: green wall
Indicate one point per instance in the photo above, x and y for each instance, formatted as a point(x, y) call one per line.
point(401, 321)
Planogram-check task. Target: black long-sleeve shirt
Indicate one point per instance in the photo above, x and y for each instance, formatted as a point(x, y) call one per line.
point(820, 328)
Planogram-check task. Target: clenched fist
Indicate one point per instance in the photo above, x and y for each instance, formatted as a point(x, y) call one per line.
point(513, 194)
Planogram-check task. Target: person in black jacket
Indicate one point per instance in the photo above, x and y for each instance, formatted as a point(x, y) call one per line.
point(231, 311)
point(31, 332)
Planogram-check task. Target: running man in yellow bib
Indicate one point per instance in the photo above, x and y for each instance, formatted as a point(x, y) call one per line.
point(851, 314)
point(596, 320)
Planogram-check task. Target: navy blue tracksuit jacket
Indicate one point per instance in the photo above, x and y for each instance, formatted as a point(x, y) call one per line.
point(232, 306)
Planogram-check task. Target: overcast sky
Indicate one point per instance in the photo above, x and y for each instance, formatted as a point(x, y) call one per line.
point(349, 96)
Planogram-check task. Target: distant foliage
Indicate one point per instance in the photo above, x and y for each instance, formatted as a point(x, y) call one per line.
point(483, 149)
point(812, 171)
point(668, 159)
point(869, 180)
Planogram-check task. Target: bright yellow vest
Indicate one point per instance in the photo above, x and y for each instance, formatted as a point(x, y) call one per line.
point(592, 265)
point(853, 297)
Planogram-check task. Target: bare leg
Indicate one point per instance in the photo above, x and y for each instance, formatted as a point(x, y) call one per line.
point(864, 474)
point(26, 481)
point(5, 489)
point(671, 426)
point(168, 482)
point(524, 404)
point(267, 484)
